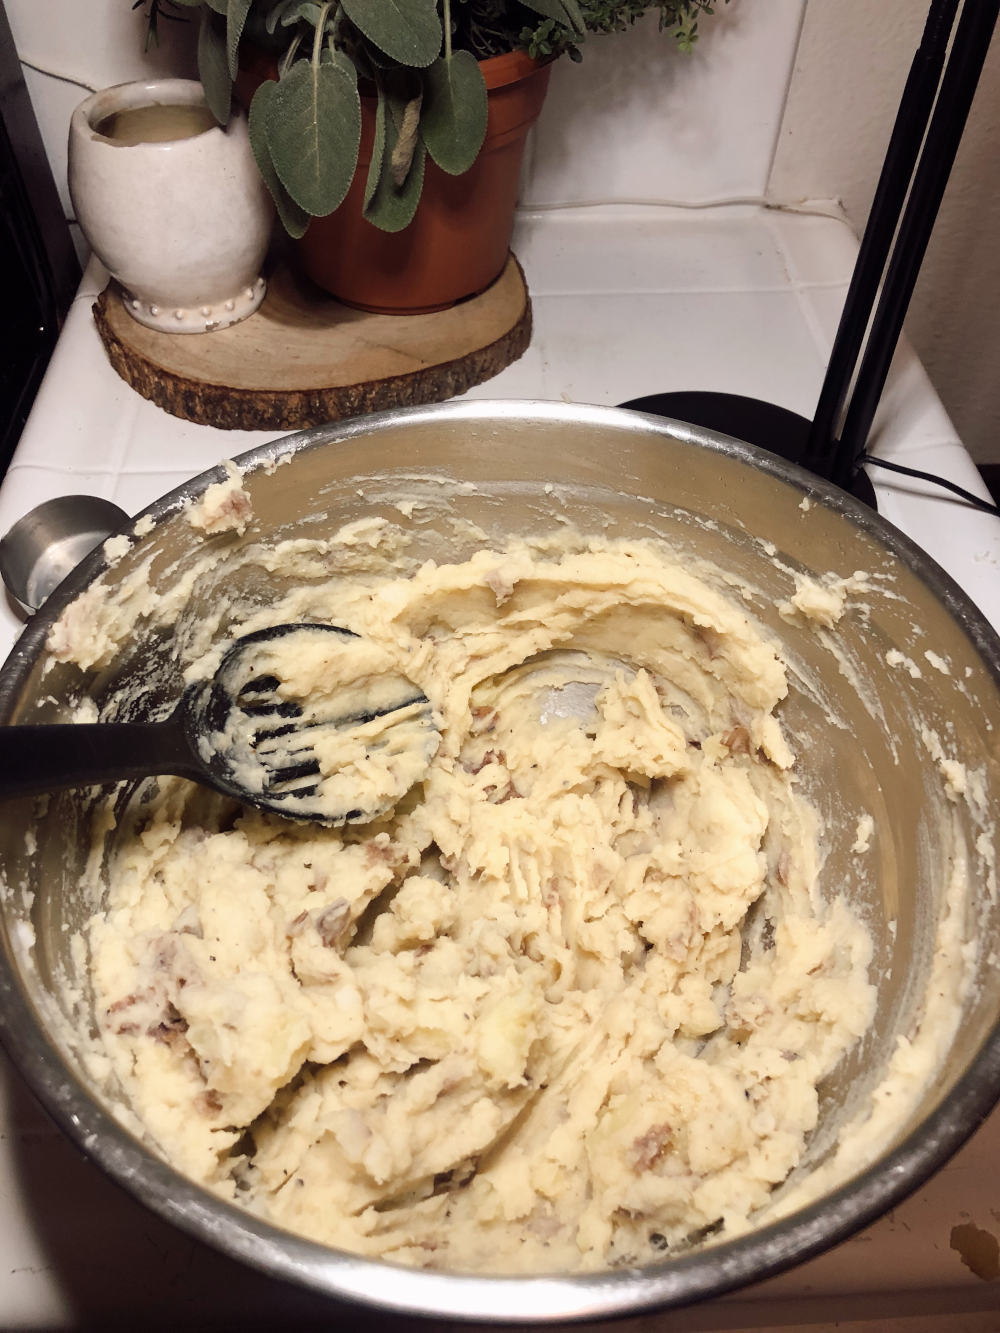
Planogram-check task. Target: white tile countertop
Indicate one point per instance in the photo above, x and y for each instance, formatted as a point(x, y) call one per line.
point(628, 300)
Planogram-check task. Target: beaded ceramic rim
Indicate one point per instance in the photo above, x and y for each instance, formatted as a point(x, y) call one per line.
point(196, 319)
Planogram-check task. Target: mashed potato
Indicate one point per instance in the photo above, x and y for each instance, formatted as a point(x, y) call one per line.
point(568, 1005)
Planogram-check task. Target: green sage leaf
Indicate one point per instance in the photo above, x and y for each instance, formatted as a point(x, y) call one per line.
point(401, 87)
point(236, 17)
point(293, 219)
point(407, 138)
point(277, 14)
point(213, 67)
point(407, 30)
point(332, 55)
point(313, 128)
point(378, 151)
point(564, 12)
point(257, 33)
point(453, 120)
point(390, 203)
point(391, 209)
point(577, 22)
point(220, 6)
point(309, 10)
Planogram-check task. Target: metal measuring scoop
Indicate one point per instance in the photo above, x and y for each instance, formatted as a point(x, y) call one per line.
point(344, 753)
point(49, 542)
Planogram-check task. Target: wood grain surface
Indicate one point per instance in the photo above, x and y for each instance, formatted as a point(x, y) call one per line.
point(304, 359)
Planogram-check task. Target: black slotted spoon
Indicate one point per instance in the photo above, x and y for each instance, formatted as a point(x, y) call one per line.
point(237, 733)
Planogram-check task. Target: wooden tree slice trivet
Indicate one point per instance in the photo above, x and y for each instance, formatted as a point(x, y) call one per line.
point(304, 359)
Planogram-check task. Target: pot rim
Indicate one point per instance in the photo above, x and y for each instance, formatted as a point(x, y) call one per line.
point(671, 1283)
point(511, 67)
point(97, 106)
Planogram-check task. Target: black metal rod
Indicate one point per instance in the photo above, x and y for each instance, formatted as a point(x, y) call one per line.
point(961, 75)
point(915, 106)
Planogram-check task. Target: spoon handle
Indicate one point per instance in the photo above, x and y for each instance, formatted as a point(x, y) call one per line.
point(37, 759)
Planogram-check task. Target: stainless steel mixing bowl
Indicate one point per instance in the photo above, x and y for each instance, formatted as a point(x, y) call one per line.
point(862, 726)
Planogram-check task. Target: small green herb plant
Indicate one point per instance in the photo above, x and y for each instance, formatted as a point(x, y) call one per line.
point(419, 58)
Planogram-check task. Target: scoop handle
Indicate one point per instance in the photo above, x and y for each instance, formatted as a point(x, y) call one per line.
point(36, 759)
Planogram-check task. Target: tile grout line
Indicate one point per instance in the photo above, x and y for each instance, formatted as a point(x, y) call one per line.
point(783, 289)
point(776, 143)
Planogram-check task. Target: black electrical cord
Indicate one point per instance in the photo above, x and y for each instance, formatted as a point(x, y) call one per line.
point(986, 505)
point(933, 109)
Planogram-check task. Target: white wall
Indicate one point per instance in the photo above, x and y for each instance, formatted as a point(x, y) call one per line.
point(850, 68)
point(68, 49)
point(636, 122)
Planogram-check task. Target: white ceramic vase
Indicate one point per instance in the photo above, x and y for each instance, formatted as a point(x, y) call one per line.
point(182, 224)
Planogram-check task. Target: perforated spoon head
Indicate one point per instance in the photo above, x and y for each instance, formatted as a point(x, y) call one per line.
point(311, 722)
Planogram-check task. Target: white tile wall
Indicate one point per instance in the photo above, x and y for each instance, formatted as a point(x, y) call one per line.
point(95, 42)
point(633, 300)
point(636, 121)
point(70, 47)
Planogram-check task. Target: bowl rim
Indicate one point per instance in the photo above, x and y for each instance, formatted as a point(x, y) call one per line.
point(670, 1283)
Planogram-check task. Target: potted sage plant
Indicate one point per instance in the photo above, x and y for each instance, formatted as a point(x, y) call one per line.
point(390, 132)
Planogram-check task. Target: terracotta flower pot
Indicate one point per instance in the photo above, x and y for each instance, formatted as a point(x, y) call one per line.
point(458, 241)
